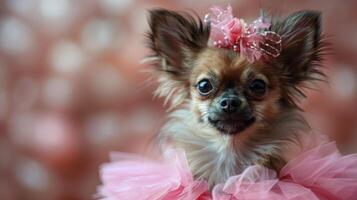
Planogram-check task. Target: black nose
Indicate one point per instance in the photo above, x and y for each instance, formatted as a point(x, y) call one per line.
point(230, 104)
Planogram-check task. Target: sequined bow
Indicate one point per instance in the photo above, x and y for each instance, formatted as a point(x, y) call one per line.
point(251, 41)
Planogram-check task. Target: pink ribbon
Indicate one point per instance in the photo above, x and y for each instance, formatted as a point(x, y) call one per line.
point(251, 41)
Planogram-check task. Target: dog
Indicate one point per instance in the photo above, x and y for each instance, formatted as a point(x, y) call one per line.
point(227, 112)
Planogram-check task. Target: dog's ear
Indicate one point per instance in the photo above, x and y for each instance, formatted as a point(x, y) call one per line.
point(175, 39)
point(302, 50)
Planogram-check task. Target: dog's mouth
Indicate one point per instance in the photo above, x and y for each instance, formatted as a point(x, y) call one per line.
point(231, 126)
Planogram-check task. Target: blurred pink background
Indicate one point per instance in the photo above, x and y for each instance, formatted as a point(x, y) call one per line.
point(72, 88)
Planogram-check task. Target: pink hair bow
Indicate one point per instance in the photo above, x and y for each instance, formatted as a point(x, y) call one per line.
point(251, 41)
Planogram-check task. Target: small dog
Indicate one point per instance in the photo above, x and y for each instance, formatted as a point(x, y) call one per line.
point(229, 113)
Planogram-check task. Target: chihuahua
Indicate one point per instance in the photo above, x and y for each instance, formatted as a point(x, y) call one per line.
point(227, 112)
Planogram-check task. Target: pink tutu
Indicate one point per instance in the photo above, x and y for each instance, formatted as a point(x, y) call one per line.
point(137, 178)
point(318, 173)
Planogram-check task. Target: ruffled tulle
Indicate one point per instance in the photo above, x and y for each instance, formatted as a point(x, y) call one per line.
point(318, 173)
point(133, 177)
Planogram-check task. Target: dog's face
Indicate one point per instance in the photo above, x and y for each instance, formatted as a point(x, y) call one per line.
point(225, 90)
point(232, 94)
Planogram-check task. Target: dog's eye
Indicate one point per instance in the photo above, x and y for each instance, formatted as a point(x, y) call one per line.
point(258, 87)
point(204, 87)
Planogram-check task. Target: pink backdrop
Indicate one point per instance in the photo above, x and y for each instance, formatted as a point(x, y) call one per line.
point(72, 88)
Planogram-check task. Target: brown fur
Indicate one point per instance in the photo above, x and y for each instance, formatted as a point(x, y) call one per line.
point(182, 58)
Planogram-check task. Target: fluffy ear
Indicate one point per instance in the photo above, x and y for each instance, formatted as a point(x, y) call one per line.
point(175, 40)
point(302, 50)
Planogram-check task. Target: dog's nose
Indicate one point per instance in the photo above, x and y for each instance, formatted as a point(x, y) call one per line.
point(230, 104)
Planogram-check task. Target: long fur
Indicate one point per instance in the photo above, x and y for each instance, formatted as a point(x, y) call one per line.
point(301, 35)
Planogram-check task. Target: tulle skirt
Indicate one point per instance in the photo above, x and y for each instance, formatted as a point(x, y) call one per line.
point(319, 173)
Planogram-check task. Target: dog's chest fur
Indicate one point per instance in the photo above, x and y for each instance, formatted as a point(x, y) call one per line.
point(215, 157)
